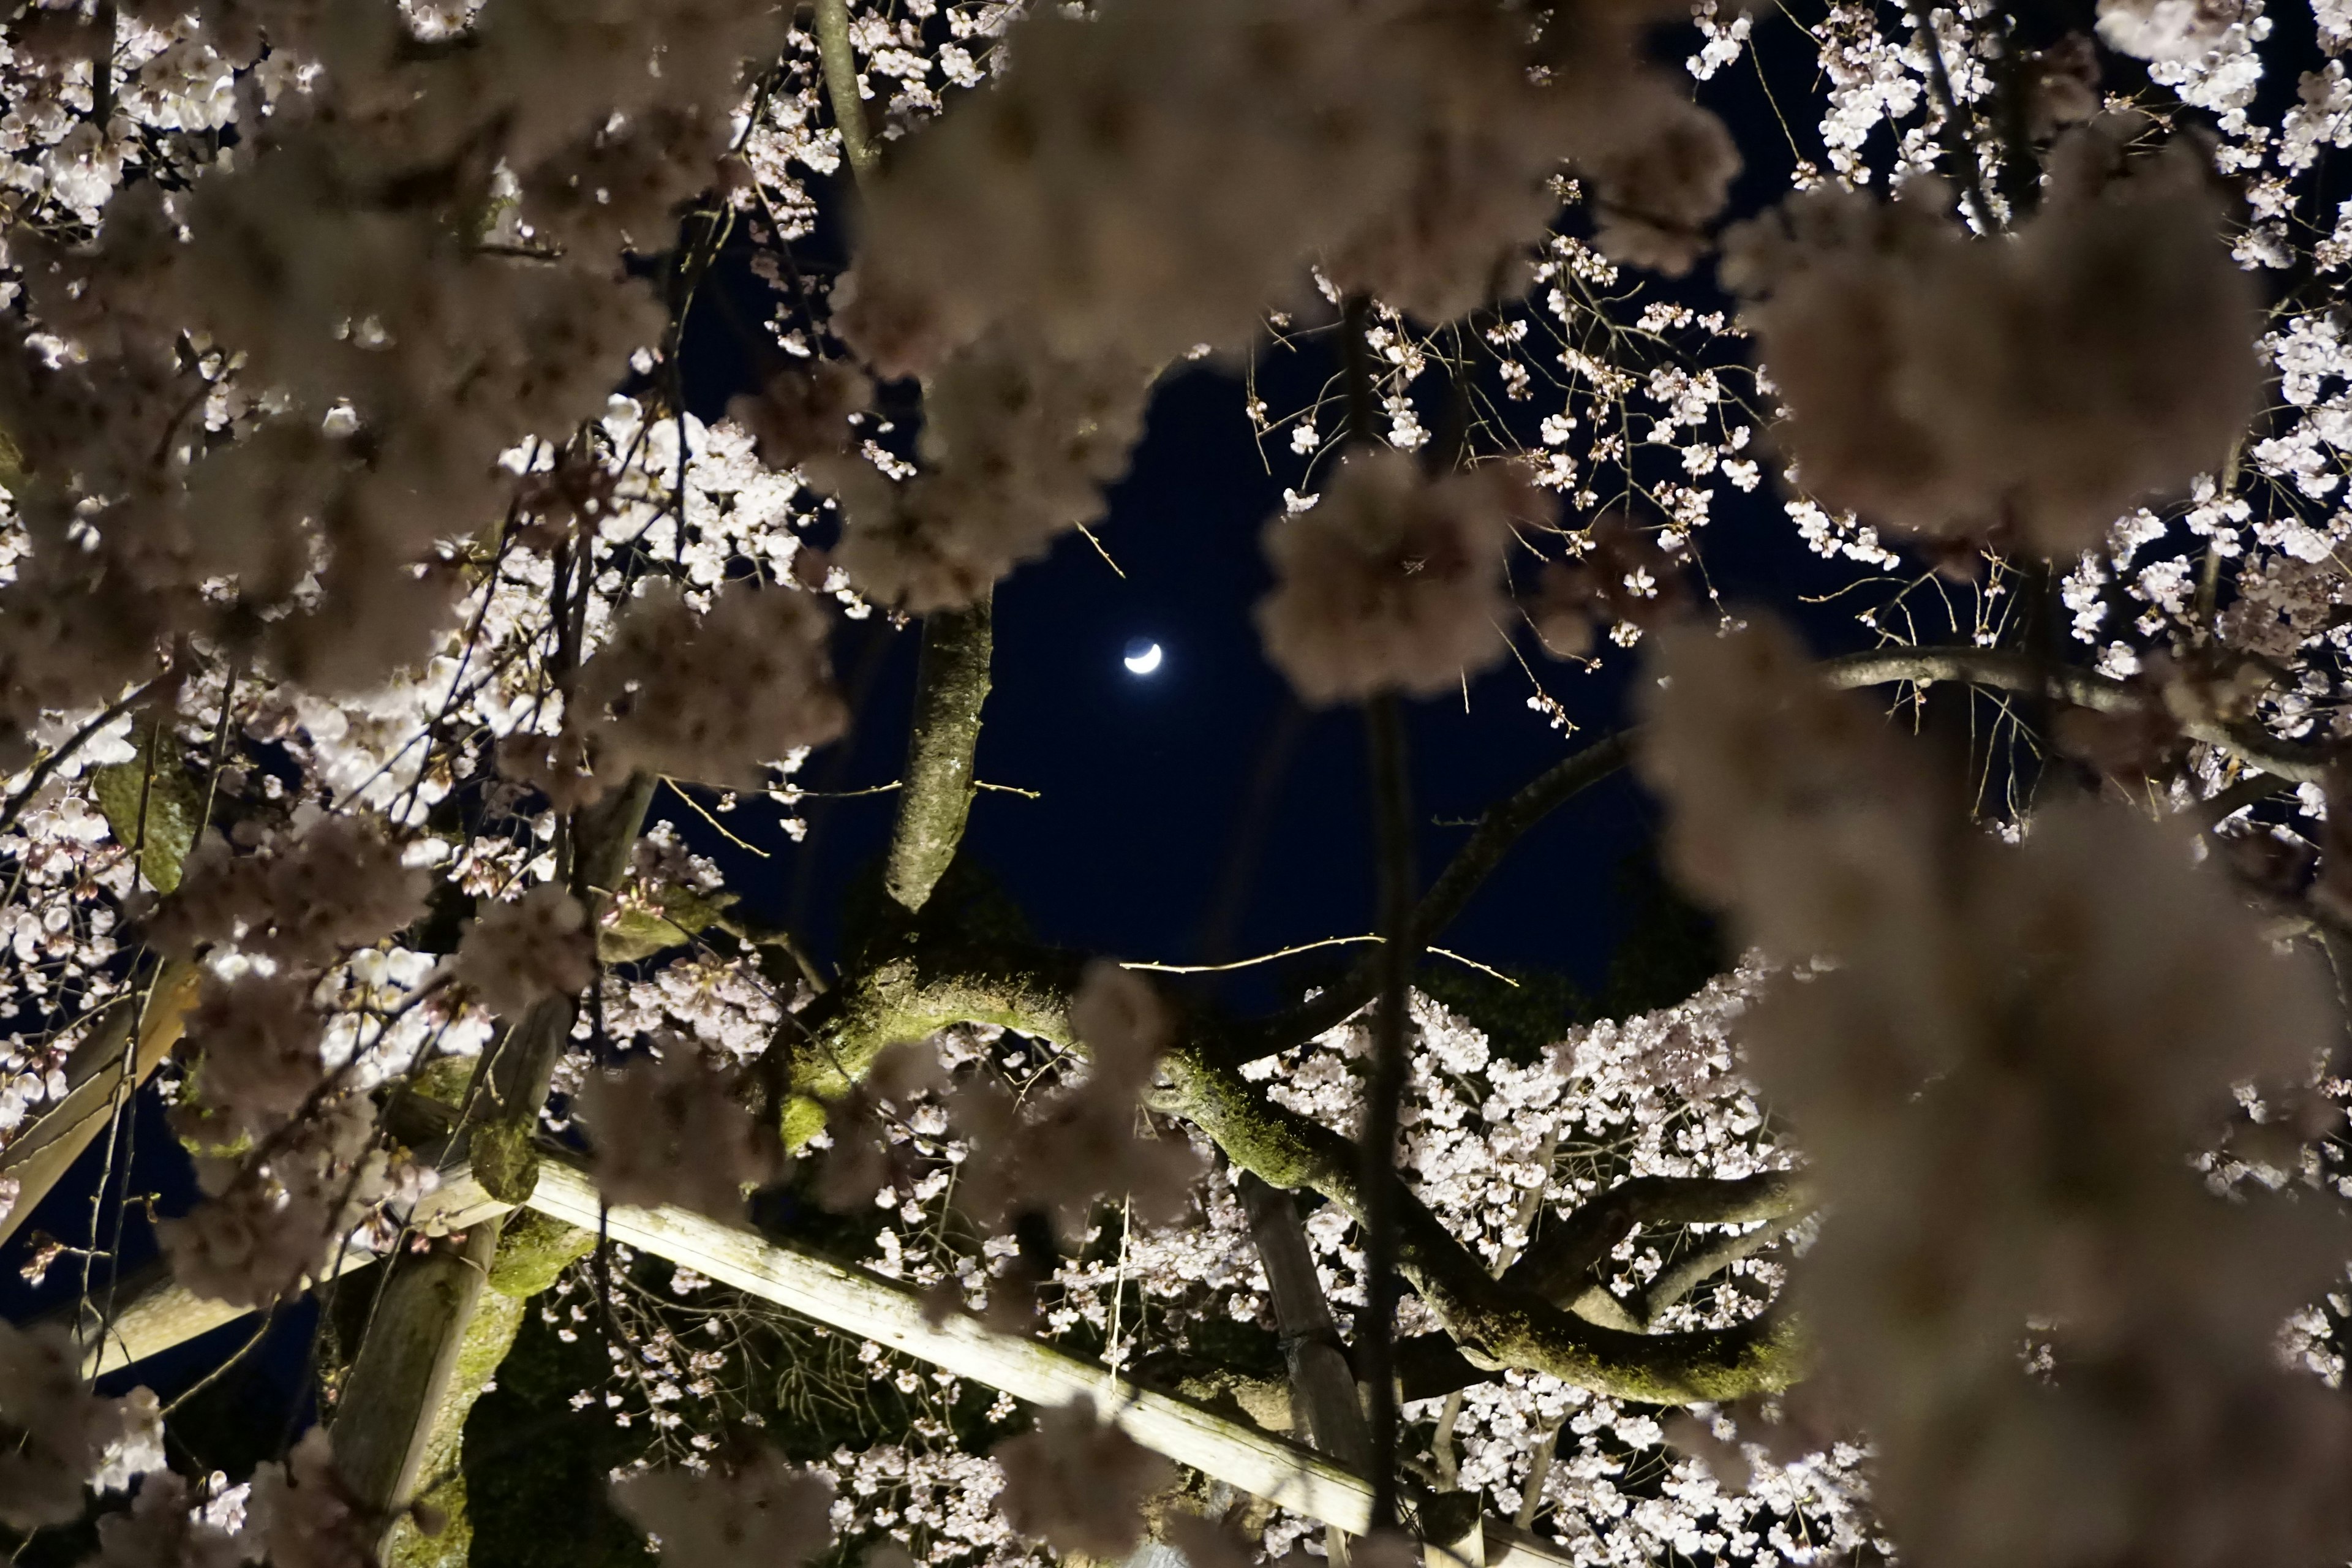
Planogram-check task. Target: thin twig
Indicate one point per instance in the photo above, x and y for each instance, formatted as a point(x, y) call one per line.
point(1376, 1336)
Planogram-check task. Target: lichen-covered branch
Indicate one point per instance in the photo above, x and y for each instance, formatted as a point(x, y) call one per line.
point(531, 1252)
point(918, 984)
point(401, 1374)
point(935, 797)
point(925, 986)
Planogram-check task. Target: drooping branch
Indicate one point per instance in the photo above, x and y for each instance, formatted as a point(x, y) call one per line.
point(951, 684)
point(1383, 1184)
point(2007, 670)
point(1559, 1264)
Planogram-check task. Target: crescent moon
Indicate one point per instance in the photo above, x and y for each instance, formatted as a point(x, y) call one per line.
point(1143, 663)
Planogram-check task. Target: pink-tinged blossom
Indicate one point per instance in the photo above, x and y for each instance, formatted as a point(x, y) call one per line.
point(302, 1516)
point(521, 951)
point(2031, 387)
point(61, 1437)
point(762, 1513)
point(1082, 1145)
point(304, 897)
point(2167, 29)
point(1018, 445)
point(282, 1214)
point(711, 695)
point(162, 1530)
point(2000, 1058)
point(1393, 582)
point(1079, 1483)
point(668, 1129)
point(1658, 178)
point(257, 1041)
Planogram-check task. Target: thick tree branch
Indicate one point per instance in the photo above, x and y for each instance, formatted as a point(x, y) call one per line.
point(401, 1377)
point(1559, 1265)
point(1322, 1383)
point(1493, 1324)
point(925, 987)
point(915, 984)
point(952, 683)
point(841, 87)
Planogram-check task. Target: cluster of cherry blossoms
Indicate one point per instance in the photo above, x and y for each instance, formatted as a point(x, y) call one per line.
point(1961, 1006)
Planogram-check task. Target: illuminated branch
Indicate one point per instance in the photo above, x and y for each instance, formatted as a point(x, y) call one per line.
point(1560, 1265)
point(841, 87)
point(950, 686)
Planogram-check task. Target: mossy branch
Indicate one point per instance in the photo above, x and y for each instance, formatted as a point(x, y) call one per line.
point(924, 985)
point(1495, 1324)
point(950, 686)
point(840, 58)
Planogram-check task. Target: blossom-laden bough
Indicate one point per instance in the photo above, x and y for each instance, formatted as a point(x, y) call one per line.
point(366, 666)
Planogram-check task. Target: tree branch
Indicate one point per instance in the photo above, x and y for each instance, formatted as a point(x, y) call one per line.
point(1559, 1265)
point(401, 1377)
point(2010, 671)
point(1383, 1184)
point(841, 87)
point(1497, 831)
point(1501, 828)
point(1322, 1383)
point(1495, 1323)
point(41, 1153)
point(952, 683)
point(924, 985)
point(1693, 1269)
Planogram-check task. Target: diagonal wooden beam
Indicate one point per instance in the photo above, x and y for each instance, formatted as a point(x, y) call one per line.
point(856, 1301)
point(42, 1154)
